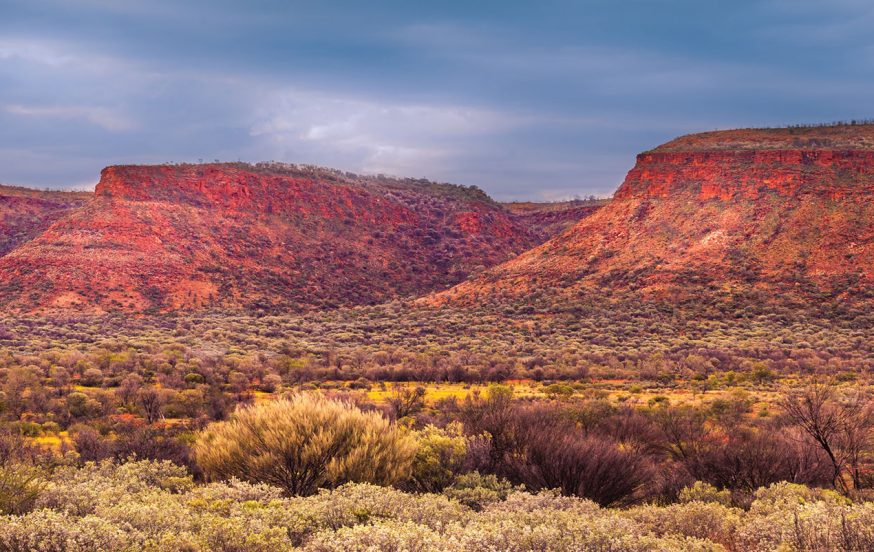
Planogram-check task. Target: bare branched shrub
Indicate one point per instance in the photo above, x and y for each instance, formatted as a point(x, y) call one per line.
point(840, 426)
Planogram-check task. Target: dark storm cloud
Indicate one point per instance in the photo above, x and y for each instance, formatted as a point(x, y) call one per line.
point(540, 99)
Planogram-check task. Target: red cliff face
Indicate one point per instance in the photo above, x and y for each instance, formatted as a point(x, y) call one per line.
point(158, 238)
point(726, 212)
point(235, 189)
point(749, 174)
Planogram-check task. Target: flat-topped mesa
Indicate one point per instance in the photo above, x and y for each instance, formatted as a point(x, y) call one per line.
point(779, 214)
point(832, 162)
point(239, 187)
point(228, 184)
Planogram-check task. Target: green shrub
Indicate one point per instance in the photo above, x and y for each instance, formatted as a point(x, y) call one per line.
point(50, 531)
point(440, 457)
point(478, 491)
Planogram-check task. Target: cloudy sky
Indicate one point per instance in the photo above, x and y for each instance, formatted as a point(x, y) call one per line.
point(542, 99)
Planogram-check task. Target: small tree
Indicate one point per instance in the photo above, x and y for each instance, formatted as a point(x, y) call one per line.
point(306, 442)
point(841, 428)
point(406, 401)
point(152, 402)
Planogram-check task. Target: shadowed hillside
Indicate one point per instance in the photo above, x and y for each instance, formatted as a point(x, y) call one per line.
point(25, 213)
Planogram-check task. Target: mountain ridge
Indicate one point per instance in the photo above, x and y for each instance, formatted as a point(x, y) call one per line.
point(266, 237)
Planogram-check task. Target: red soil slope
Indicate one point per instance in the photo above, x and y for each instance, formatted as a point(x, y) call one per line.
point(158, 238)
point(785, 211)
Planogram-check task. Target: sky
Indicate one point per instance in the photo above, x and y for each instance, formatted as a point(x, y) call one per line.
point(541, 100)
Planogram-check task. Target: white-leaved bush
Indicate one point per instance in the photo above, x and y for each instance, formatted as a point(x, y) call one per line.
point(156, 506)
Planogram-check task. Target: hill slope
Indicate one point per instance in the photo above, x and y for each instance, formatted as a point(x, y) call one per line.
point(785, 212)
point(551, 219)
point(158, 238)
point(24, 213)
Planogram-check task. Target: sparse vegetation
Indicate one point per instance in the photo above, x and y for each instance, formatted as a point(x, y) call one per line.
point(582, 397)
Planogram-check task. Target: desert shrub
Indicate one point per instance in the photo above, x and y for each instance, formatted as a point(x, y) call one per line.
point(349, 505)
point(795, 516)
point(704, 492)
point(366, 503)
point(748, 460)
point(150, 443)
point(388, 535)
point(234, 491)
point(92, 377)
point(80, 491)
point(303, 443)
point(156, 506)
point(547, 521)
point(240, 534)
point(551, 453)
point(50, 531)
point(703, 520)
point(440, 457)
point(406, 401)
point(476, 490)
point(89, 444)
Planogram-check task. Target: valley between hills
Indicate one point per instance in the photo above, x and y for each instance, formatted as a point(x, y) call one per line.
point(688, 363)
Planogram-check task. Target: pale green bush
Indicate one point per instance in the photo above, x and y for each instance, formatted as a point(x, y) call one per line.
point(567, 531)
point(154, 506)
point(306, 442)
point(440, 457)
point(389, 536)
point(521, 501)
point(800, 518)
point(704, 492)
point(80, 490)
point(369, 502)
point(221, 497)
point(477, 491)
point(241, 534)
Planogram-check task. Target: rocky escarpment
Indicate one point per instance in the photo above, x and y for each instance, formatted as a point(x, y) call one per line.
point(789, 212)
point(270, 237)
point(750, 174)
